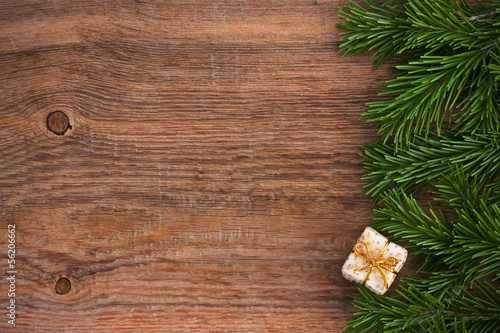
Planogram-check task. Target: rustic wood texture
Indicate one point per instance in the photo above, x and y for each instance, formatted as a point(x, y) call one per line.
point(210, 180)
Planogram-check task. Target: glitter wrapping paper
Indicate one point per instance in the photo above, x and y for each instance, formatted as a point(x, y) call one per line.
point(373, 258)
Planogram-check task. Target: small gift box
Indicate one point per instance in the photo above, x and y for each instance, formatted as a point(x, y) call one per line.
point(374, 261)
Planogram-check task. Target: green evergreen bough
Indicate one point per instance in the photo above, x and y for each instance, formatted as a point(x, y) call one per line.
point(439, 127)
point(449, 56)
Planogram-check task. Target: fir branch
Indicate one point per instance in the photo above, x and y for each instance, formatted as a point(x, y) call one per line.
point(470, 244)
point(459, 191)
point(373, 27)
point(418, 166)
point(449, 66)
point(439, 282)
point(413, 310)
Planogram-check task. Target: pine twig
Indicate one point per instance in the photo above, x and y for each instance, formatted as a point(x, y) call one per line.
point(483, 16)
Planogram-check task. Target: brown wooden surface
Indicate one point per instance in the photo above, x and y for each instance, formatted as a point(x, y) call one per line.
point(210, 181)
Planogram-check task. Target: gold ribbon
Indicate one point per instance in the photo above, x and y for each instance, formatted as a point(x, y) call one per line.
point(388, 263)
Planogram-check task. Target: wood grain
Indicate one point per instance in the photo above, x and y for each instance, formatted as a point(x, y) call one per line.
point(211, 177)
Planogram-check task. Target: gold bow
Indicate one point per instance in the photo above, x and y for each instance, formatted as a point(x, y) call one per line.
point(388, 263)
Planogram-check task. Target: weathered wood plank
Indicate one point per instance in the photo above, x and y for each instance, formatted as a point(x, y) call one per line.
point(210, 181)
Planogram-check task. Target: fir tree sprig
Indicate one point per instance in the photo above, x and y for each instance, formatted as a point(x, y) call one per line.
point(468, 240)
point(418, 165)
point(447, 64)
point(414, 310)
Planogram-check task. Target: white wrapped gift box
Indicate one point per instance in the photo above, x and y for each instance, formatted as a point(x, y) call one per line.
point(374, 261)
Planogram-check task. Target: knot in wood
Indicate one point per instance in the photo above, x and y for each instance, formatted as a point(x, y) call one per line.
point(58, 122)
point(63, 286)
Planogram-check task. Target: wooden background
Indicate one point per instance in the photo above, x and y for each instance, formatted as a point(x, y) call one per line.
point(211, 178)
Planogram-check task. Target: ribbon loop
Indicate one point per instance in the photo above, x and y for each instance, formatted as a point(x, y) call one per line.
point(387, 264)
